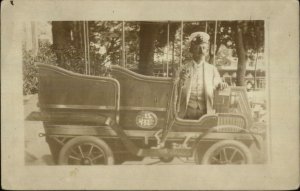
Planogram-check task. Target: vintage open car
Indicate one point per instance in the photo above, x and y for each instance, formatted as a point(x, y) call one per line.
point(91, 120)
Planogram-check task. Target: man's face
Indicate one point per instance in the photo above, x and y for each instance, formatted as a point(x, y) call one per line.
point(199, 51)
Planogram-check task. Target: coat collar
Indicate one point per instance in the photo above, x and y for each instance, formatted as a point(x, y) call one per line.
point(196, 65)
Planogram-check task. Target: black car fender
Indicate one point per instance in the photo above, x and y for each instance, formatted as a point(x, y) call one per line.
point(228, 129)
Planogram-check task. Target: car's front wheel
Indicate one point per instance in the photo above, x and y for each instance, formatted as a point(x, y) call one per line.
point(226, 152)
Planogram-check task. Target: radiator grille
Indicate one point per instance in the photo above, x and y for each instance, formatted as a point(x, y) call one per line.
point(232, 120)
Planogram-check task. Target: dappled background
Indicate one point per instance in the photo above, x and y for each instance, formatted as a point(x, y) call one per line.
point(149, 48)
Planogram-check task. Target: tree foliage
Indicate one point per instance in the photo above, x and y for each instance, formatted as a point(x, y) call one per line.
point(105, 44)
point(144, 41)
point(145, 46)
point(249, 38)
point(45, 55)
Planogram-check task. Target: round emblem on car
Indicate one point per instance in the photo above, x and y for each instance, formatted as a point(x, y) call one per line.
point(146, 119)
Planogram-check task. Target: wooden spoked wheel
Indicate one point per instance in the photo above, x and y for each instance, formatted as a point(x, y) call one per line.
point(86, 150)
point(227, 152)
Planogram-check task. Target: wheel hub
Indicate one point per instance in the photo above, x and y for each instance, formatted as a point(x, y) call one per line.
point(86, 161)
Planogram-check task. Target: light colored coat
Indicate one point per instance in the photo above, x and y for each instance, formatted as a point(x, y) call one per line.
point(211, 81)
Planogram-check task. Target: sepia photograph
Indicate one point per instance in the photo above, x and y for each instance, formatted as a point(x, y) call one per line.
point(141, 92)
point(150, 95)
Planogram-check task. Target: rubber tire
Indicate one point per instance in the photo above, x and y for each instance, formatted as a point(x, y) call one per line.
point(224, 143)
point(62, 157)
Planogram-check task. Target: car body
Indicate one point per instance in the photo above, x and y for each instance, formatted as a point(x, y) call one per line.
point(128, 116)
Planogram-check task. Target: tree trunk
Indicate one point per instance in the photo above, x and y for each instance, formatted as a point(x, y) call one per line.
point(148, 34)
point(61, 34)
point(242, 56)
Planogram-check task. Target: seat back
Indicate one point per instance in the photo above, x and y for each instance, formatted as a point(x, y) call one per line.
point(64, 91)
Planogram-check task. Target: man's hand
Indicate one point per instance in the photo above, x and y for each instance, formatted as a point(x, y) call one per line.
point(222, 85)
point(183, 76)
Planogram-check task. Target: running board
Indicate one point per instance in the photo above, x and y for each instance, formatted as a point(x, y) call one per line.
point(165, 152)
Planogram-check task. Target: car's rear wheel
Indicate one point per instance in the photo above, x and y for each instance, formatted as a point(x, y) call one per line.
point(226, 152)
point(85, 150)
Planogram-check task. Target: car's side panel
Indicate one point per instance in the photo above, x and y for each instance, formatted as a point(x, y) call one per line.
point(142, 93)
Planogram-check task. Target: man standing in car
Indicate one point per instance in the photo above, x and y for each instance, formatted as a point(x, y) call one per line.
point(198, 80)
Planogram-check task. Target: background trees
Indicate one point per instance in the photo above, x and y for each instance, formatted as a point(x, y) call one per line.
point(249, 39)
point(146, 44)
